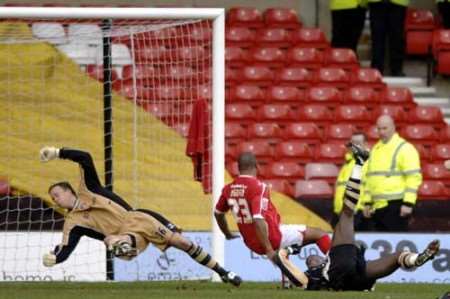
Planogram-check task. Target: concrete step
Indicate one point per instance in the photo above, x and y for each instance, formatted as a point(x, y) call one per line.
point(432, 101)
point(423, 90)
point(404, 81)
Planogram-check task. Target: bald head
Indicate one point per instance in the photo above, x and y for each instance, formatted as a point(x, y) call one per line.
point(247, 163)
point(385, 127)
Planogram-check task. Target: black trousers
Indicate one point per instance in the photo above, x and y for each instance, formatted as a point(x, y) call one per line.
point(444, 11)
point(387, 24)
point(361, 223)
point(388, 219)
point(347, 26)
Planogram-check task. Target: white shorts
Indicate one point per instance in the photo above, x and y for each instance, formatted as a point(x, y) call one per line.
point(292, 234)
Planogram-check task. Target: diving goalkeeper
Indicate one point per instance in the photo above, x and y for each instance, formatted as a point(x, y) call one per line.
point(98, 213)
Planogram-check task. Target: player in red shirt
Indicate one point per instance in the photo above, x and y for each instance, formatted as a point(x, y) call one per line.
point(257, 218)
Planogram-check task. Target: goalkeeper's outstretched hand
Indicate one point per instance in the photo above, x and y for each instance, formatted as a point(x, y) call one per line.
point(48, 153)
point(360, 154)
point(49, 259)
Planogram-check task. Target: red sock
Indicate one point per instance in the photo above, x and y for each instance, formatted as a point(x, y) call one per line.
point(324, 244)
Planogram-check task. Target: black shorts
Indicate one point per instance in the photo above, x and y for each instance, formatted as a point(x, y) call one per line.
point(162, 219)
point(347, 270)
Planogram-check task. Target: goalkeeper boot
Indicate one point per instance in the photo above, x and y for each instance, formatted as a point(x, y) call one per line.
point(124, 249)
point(428, 254)
point(293, 249)
point(232, 278)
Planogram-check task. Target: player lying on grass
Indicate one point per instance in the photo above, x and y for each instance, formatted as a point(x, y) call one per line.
point(257, 218)
point(98, 213)
point(345, 268)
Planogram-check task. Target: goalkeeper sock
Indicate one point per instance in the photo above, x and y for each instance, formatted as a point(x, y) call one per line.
point(352, 189)
point(407, 260)
point(202, 257)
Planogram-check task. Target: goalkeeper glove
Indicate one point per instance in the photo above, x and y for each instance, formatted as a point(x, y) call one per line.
point(48, 153)
point(49, 259)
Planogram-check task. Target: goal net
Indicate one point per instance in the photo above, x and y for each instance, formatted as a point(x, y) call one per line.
point(53, 91)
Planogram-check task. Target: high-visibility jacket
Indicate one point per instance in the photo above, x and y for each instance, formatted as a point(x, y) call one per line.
point(399, 2)
point(393, 173)
point(341, 182)
point(347, 4)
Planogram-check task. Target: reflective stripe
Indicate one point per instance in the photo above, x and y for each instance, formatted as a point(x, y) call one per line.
point(411, 171)
point(385, 173)
point(394, 157)
point(391, 196)
point(410, 190)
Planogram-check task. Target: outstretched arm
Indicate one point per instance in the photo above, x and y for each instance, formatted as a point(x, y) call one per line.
point(223, 225)
point(84, 159)
point(62, 252)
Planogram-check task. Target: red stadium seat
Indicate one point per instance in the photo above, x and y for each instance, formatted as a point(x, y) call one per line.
point(441, 51)
point(162, 111)
point(398, 96)
point(249, 17)
point(363, 95)
point(234, 131)
point(445, 134)
point(269, 131)
point(259, 147)
point(441, 152)
point(397, 112)
point(331, 152)
point(239, 112)
point(426, 114)
point(260, 75)
point(356, 114)
point(147, 74)
point(279, 185)
point(308, 131)
point(239, 37)
point(321, 171)
point(155, 54)
point(273, 37)
point(368, 77)
point(316, 113)
point(295, 76)
point(251, 94)
point(182, 129)
point(419, 26)
point(236, 57)
point(275, 112)
point(288, 170)
point(281, 18)
point(294, 151)
point(340, 131)
point(189, 55)
point(434, 190)
point(310, 58)
point(421, 133)
point(271, 57)
point(312, 189)
point(326, 95)
point(285, 94)
point(336, 77)
point(372, 132)
point(96, 72)
point(232, 76)
point(310, 37)
point(435, 171)
point(341, 58)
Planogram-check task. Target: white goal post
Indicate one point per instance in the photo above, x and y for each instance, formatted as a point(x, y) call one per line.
point(217, 16)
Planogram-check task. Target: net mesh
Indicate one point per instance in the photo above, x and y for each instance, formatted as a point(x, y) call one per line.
point(52, 94)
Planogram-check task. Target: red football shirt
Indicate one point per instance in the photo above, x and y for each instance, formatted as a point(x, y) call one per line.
point(248, 198)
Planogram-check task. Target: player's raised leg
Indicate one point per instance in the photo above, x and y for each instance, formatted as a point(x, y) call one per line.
point(344, 231)
point(198, 254)
point(386, 265)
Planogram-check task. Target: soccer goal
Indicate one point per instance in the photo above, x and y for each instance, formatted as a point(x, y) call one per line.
point(120, 83)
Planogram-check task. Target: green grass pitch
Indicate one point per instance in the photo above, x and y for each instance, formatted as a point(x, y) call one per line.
point(199, 289)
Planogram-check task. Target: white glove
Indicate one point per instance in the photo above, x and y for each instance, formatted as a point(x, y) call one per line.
point(48, 153)
point(49, 259)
